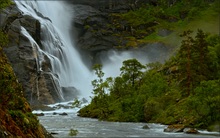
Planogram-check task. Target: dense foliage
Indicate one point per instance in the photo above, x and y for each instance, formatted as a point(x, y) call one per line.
point(183, 90)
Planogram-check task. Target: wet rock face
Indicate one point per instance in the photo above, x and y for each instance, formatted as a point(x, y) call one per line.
point(94, 26)
point(113, 5)
point(37, 86)
point(91, 25)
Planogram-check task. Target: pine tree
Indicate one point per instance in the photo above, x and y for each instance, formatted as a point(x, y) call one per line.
point(185, 62)
point(193, 60)
point(200, 57)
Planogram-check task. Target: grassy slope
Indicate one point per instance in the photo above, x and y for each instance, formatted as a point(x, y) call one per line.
point(207, 20)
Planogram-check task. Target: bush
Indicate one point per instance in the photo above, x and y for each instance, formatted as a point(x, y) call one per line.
point(73, 132)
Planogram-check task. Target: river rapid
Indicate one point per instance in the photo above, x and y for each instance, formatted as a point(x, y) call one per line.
point(60, 126)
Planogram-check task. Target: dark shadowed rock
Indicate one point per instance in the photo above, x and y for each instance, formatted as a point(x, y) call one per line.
point(40, 114)
point(38, 86)
point(54, 113)
point(54, 133)
point(63, 113)
point(145, 127)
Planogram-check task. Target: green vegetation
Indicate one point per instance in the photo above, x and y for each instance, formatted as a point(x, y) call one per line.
point(145, 23)
point(20, 119)
point(5, 3)
point(184, 90)
point(73, 132)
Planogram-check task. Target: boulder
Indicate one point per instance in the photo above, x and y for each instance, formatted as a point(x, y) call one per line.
point(40, 114)
point(63, 113)
point(145, 127)
point(175, 128)
point(54, 113)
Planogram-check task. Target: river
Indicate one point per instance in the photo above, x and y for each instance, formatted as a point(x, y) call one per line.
point(60, 126)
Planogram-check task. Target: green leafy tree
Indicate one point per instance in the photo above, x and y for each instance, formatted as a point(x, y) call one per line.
point(97, 84)
point(131, 71)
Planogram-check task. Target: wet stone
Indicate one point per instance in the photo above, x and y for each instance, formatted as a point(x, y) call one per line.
point(145, 127)
point(63, 113)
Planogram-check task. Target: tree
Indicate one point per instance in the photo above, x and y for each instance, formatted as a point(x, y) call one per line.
point(185, 61)
point(214, 56)
point(97, 84)
point(200, 58)
point(131, 71)
point(194, 60)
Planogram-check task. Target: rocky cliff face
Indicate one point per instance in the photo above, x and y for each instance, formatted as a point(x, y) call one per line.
point(38, 87)
point(100, 28)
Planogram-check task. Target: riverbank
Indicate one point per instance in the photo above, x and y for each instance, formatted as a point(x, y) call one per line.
point(60, 124)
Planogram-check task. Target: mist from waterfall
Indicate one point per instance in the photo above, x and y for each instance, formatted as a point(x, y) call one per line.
point(58, 46)
point(112, 60)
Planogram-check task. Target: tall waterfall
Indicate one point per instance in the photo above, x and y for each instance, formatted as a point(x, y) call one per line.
point(67, 68)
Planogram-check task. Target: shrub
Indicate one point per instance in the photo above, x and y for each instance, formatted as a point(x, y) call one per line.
point(73, 132)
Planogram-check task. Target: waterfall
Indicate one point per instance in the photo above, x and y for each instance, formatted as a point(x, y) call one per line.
point(67, 67)
point(57, 45)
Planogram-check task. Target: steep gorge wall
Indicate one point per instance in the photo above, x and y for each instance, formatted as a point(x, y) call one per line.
point(38, 87)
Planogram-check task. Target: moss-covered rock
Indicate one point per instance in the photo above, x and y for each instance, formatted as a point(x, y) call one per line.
point(16, 118)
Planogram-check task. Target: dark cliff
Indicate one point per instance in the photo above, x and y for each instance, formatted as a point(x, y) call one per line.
point(22, 55)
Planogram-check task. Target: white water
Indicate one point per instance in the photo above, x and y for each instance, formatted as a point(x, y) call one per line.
point(87, 127)
point(67, 68)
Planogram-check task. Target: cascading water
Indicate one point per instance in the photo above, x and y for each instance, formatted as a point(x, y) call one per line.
point(67, 68)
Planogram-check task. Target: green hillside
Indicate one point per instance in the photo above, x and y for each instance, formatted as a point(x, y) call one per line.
point(185, 89)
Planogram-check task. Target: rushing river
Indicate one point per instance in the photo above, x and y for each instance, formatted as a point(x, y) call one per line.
point(60, 126)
